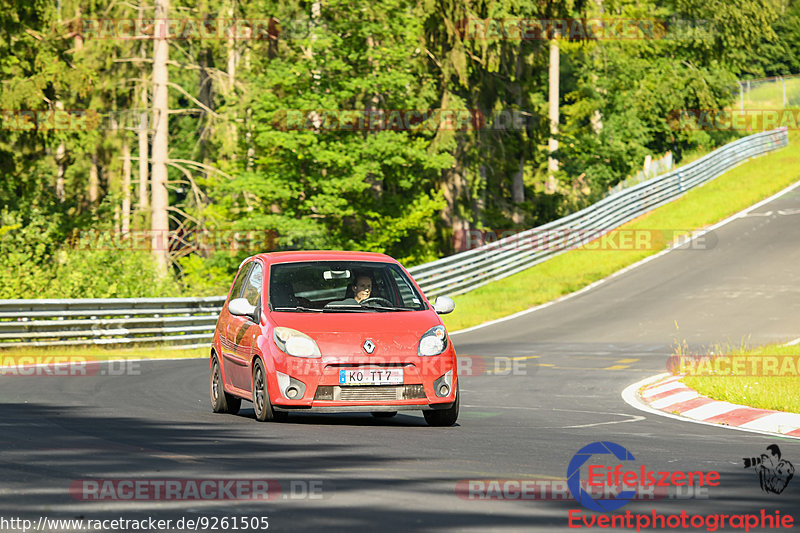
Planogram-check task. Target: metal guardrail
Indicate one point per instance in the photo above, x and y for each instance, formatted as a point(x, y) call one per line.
point(183, 322)
point(471, 269)
point(190, 322)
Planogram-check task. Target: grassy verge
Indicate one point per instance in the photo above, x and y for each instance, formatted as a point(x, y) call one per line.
point(55, 355)
point(735, 190)
point(775, 386)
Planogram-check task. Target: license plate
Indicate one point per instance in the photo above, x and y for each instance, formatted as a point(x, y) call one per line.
point(371, 376)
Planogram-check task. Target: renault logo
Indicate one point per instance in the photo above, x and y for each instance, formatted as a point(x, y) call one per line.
point(369, 346)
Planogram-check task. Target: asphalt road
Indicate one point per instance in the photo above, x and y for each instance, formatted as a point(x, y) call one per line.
point(152, 420)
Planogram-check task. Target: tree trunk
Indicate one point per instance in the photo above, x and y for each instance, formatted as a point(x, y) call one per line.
point(232, 55)
point(61, 156)
point(126, 184)
point(229, 87)
point(144, 158)
point(78, 36)
point(453, 186)
point(94, 181)
point(453, 189)
point(552, 143)
point(159, 224)
point(116, 221)
point(206, 96)
point(144, 149)
point(518, 181)
point(518, 192)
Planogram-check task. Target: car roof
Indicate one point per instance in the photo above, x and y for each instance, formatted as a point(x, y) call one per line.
point(323, 255)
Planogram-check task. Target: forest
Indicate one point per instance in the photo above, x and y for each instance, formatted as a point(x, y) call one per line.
point(147, 148)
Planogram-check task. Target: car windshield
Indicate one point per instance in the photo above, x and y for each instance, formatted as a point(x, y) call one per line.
point(342, 287)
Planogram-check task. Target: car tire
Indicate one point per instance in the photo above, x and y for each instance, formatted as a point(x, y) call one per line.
point(221, 401)
point(443, 417)
point(261, 403)
point(384, 414)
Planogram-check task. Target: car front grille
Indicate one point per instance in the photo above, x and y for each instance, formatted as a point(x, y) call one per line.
point(370, 393)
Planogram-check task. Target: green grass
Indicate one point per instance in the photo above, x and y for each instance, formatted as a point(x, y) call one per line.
point(763, 391)
point(54, 354)
point(735, 190)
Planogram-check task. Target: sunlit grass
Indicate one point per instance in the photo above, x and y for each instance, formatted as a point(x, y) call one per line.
point(55, 354)
point(701, 207)
point(778, 392)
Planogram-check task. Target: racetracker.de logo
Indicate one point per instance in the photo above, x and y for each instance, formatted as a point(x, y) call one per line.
point(151, 490)
point(588, 239)
point(186, 240)
point(726, 366)
point(412, 120)
point(747, 120)
point(593, 29)
point(66, 366)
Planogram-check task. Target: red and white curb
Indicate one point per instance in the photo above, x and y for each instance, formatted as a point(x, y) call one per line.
point(665, 395)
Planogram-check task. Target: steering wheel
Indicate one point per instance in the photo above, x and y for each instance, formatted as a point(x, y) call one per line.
point(378, 300)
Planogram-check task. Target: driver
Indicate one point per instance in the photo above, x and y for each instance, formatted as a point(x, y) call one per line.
point(361, 287)
point(359, 291)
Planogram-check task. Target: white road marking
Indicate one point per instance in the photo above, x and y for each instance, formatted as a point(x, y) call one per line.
point(631, 418)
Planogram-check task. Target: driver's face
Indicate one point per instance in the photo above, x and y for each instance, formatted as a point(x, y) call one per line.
point(363, 288)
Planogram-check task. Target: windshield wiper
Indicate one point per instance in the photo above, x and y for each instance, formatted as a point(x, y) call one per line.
point(357, 308)
point(345, 308)
point(298, 308)
point(387, 308)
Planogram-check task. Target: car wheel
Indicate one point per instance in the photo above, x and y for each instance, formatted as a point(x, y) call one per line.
point(261, 403)
point(443, 417)
point(384, 414)
point(221, 401)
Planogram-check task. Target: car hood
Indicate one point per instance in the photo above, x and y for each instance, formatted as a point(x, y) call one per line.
point(393, 333)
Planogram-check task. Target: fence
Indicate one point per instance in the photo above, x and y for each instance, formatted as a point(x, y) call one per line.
point(189, 322)
point(778, 92)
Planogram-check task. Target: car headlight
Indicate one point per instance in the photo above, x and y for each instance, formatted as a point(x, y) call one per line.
point(295, 343)
point(433, 342)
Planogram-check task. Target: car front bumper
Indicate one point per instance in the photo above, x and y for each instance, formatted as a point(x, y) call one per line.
point(420, 389)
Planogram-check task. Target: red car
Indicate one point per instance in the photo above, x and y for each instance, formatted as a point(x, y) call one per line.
point(331, 332)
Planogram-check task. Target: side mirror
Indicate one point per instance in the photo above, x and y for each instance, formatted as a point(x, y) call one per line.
point(241, 307)
point(444, 305)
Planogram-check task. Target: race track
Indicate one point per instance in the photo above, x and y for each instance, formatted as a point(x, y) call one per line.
point(573, 360)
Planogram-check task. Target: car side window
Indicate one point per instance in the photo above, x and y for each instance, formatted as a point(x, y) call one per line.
point(406, 292)
point(252, 289)
point(237, 285)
